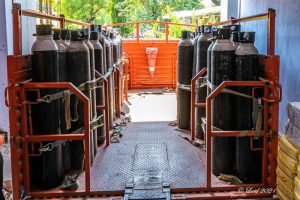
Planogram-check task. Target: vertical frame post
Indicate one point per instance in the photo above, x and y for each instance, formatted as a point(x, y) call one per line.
point(137, 32)
point(17, 28)
point(271, 32)
point(167, 32)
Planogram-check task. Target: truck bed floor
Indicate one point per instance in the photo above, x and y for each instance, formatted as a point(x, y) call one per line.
point(148, 150)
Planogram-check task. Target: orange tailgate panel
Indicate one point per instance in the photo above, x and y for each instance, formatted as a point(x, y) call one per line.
point(165, 74)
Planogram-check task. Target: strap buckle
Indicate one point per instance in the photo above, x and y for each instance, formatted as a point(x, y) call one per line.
point(45, 99)
point(47, 147)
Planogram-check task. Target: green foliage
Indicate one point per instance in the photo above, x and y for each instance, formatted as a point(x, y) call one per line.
point(119, 11)
point(85, 10)
point(183, 4)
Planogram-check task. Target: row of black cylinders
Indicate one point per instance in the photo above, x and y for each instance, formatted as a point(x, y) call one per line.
point(62, 55)
point(229, 55)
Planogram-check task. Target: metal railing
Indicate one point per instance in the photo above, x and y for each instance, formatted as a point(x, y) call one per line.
point(137, 28)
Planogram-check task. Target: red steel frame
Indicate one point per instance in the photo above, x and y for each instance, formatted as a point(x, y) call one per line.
point(18, 71)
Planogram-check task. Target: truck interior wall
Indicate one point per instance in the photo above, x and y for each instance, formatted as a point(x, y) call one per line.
point(6, 46)
point(287, 44)
point(4, 13)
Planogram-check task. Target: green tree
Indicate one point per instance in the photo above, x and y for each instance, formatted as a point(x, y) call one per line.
point(178, 5)
point(85, 10)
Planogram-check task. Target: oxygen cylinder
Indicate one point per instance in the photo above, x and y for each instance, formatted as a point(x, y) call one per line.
point(47, 169)
point(223, 69)
point(66, 154)
point(94, 39)
point(248, 162)
point(185, 68)
point(78, 68)
point(195, 43)
point(121, 66)
point(65, 36)
point(103, 44)
point(201, 62)
point(116, 56)
point(111, 91)
point(214, 37)
point(86, 36)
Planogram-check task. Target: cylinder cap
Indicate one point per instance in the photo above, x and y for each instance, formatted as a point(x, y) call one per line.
point(207, 28)
point(215, 32)
point(94, 35)
point(104, 32)
point(65, 34)
point(233, 28)
point(224, 33)
point(99, 27)
point(235, 36)
point(198, 29)
point(112, 35)
point(241, 36)
point(76, 35)
point(184, 34)
point(56, 35)
point(202, 29)
point(249, 37)
point(84, 33)
point(94, 27)
point(44, 29)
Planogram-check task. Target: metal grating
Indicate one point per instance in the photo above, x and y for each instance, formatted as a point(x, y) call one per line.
point(150, 150)
point(151, 157)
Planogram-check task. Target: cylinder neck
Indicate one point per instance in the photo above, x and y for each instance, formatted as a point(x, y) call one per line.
point(223, 41)
point(44, 37)
point(77, 42)
point(206, 33)
point(246, 44)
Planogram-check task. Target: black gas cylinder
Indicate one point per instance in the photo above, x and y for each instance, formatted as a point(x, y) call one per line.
point(248, 162)
point(119, 40)
point(94, 39)
point(46, 170)
point(78, 68)
point(195, 43)
point(223, 69)
point(86, 36)
point(185, 67)
point(116, 56)
point(102, 40)
point(201, 62)
point(64, 123)
point(213, 39)
point(111, 91)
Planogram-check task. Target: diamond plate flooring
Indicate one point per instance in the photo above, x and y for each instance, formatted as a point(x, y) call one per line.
point(145, 148)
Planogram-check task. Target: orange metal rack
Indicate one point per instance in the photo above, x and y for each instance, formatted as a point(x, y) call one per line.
point(272, 97)
point(19, 75)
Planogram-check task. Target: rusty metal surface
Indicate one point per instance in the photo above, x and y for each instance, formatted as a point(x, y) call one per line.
point(148, 147)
